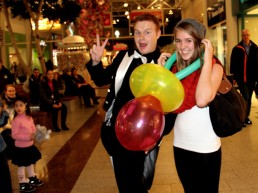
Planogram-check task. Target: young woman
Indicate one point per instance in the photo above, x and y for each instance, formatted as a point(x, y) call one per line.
point(8, 97)
point(197, 149)
point(50, 100)
point(26, 153)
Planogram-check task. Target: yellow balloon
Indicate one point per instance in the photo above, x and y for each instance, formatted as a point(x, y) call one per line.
point(152, 79)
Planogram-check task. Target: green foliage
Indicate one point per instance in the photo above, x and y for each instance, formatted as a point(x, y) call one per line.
point(70, 11)
point(18, 9)
point(67, 11)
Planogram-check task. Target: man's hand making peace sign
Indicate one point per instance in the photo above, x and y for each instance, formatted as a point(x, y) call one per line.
point(96, 51)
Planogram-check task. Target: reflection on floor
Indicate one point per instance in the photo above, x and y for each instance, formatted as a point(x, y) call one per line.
point(75, 161)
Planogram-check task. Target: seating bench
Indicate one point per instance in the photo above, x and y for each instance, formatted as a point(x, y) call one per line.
point(71, 102)
point(41, 117)
point(101, 91)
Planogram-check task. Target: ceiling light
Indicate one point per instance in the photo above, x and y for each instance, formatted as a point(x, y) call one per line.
point(125, 4)
point(170, 12)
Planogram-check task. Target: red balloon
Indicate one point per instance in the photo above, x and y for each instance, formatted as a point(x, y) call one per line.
point(140, 123)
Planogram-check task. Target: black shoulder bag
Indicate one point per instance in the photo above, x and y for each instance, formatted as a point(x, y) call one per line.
point(227, 110)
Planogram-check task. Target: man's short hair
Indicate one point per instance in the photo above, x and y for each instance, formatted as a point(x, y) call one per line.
point(148, 17)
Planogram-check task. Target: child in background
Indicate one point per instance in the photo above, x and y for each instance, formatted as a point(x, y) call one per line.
point(26, 153)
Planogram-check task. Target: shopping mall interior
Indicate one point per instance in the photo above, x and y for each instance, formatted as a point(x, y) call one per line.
point(75, 161)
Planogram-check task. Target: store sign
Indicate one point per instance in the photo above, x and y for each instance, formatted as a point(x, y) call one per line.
point(158, 13)
point(216, 12)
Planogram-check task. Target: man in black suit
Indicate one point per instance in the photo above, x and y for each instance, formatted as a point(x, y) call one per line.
point(128, 165)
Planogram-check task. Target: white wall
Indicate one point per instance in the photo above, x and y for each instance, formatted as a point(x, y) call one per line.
point(197, 9)
point(251, 25)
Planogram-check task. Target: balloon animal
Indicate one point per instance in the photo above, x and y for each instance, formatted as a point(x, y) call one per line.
point(140, 123)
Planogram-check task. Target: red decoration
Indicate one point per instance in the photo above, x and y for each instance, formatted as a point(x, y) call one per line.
point(120, 46)
point(93, 19)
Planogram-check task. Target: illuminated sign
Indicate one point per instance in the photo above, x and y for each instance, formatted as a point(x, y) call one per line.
point(45, 24)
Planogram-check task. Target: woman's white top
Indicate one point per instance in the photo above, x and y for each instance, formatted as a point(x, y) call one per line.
point(193, 131)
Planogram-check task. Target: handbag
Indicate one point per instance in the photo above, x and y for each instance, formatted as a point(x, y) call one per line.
point(227, 110)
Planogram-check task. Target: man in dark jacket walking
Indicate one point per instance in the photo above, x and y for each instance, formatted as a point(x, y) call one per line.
point(244, 67)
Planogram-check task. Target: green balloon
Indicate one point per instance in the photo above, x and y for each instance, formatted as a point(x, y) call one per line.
point(186, 71)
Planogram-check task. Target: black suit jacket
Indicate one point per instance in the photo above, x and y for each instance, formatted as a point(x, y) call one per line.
point(237, 63)
point(103, 76)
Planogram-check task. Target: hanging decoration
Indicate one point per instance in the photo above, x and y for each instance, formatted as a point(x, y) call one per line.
point(92, 18)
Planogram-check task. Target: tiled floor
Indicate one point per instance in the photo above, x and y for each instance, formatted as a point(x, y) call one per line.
point(75, 161)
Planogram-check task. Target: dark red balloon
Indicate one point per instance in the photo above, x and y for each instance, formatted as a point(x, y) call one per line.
point(140, 123)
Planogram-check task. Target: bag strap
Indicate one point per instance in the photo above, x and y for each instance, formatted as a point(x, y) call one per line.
point(225, 85)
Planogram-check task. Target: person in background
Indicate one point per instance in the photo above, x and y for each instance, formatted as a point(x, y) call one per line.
point(71, 88)
point(4, 116)
point(26, 154)
point(50, 100)
point(128, 165)
point(197, 149)
point(244, 67)
point(34, 82)
point(60, 83)
point(5, 177)
point(49, 65)
point(21, 73)
point(5, 77)
point(85, 89)
point(8, 97)
point(13, 71)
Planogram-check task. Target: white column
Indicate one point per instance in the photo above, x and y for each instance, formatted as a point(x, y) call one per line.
point(232, 33)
